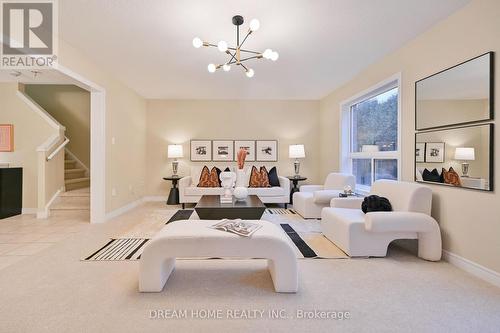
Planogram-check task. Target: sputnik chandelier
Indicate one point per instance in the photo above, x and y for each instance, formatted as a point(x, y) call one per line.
point(235, 53)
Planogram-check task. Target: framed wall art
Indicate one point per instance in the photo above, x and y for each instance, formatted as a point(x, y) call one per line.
point(420, 152)
point(223, 150)
point(266, 150)
point(434, 152)
point(249, 146)
point(201, 150)
point(6, 138)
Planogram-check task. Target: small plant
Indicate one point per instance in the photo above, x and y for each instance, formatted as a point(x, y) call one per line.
point(242, 154)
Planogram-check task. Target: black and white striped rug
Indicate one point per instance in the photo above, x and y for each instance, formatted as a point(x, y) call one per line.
point(119, 249)
point(281, 211)
point(131, 248)
point(301, 245)
point(181, 214)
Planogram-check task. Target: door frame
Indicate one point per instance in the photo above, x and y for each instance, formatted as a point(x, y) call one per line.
point(97, 143)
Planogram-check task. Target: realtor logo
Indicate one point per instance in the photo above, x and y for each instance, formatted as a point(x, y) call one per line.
point(28, 33)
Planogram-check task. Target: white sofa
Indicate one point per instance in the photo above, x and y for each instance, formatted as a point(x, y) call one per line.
point(189, 192)
point(366, 235)
point(311, 199)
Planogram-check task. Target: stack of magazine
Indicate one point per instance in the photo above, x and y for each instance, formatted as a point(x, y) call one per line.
point(237, 227)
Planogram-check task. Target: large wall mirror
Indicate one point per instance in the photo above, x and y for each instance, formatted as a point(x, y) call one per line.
point(458, 95)
point(461, 157)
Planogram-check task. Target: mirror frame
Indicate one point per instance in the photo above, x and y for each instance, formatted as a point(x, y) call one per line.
point(491, 93)
point(490, 156)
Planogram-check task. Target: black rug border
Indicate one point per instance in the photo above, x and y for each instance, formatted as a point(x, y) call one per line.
point(305, 249)
point(181, 214)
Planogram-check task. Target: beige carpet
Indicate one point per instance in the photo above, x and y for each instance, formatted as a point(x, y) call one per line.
point(55, 292)
point(308, 230)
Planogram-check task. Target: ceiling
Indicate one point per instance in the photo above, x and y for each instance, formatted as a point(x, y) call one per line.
point(42, 76)
point(322, 43)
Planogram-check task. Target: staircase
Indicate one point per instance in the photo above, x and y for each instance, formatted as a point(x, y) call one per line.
point(74, 175)
point(72, 201)
point(77, 183)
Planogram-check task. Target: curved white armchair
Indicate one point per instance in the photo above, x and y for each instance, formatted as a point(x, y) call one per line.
point(311, 199)
point(369, 235)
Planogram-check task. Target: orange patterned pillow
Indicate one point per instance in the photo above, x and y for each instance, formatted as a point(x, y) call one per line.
point(451, 177)
point(209, 178)
point(259, 178)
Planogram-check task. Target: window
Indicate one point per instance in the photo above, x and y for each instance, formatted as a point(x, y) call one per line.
point(370, 135)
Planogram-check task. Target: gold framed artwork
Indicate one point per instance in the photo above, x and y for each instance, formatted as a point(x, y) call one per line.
point(6, 138)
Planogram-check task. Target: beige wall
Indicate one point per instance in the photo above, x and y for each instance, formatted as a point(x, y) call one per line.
point(125, 121)
point(30, 131)
point(179, 121)
point(70, 106)
point(469, 219)
point(439, 112)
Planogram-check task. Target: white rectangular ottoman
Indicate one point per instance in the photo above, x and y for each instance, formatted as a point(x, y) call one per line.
point(195, 239)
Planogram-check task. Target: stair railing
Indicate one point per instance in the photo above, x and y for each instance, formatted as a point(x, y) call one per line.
point(61, 146)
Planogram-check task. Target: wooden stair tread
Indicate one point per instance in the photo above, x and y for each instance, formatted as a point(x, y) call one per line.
point(74, 170)
point(81, 192)
point(77, 180)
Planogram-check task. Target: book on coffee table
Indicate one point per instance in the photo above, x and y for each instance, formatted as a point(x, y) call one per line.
point(237, 227)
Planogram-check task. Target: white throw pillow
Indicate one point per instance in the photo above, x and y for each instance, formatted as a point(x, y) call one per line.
point(195, 174)
point(418, 175)
point(248, 173)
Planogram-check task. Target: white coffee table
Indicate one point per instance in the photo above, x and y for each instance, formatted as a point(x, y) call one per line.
point(195, 239)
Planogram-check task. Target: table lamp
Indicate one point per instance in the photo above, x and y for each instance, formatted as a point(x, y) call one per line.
point(369, 148)
point(296, 151)
point(465, 154)
point(175, 152)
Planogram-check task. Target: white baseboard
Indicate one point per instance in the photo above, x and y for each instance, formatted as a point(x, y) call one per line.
point(473, 268)
point(45, 213)
point(29, 211)
point(123, 209)
point(133, 204)
point(155, 198)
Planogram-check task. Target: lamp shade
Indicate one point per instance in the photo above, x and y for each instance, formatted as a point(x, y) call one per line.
point(369, 148)
point(175, 151)
point(464, 154)
point(296, 151)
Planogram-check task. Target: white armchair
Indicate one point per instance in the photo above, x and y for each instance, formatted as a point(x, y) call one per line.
point(369, 235)
point(311, 199)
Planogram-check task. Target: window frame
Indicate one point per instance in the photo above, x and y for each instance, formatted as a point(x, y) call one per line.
point(346, 156)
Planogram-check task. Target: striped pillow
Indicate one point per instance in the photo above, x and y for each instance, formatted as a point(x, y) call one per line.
point(259, 178)
point(209, 178)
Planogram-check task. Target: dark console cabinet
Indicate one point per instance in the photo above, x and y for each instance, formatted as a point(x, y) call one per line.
point(11, 191)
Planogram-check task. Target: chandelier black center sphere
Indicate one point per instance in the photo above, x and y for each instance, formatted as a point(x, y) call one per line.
point(237, 55)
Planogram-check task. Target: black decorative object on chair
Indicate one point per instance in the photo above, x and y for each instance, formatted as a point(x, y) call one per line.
point(432, 176)
point(374, 203)
point(273, 177)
